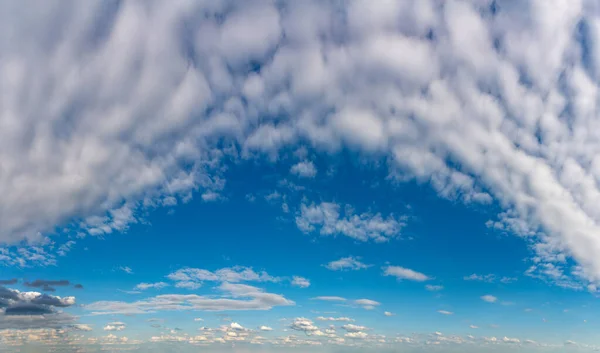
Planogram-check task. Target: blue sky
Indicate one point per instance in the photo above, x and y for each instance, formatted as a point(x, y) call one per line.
point(265, 176)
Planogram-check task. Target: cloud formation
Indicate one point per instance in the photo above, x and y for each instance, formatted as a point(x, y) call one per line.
point(346, 263)
point(99, 121)
point(402, 273)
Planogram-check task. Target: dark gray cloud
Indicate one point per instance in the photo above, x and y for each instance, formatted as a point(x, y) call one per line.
point(28, 309)
point(78, 286)
point(8, 281)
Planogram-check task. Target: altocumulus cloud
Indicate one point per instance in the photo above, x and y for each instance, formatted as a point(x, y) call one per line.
point(481, 102)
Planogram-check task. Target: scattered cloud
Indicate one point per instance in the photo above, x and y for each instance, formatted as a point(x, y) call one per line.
point(330, 298)
point(367, 304)
point(265, 328)
point(347, 263)
point(445, 312)
point(115, 326)
point(126, 269)
point(387, 313)
point(323, 318)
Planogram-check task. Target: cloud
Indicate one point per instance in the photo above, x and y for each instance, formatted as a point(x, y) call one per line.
point(354, 328)
point(346, 263)
point(47, 285)
point(489, 298)
point(367, 304)
point(356, 335)
point(330, 298)
point(473, 327)
point(344, 319)
point(304, 169)
point(404, 273)
point(487, 106)
point(114, 326)
point(387, 313)
point(144, 286)
point(489, 278)
point(126, 269)
point(434, 288)
point(327, 218)
point(265, 328)
point(25, 310)
point(81, 327)
point(8, 281)
point(300, 282)
point(192, 278)
point(234, 296)
point(445, 312)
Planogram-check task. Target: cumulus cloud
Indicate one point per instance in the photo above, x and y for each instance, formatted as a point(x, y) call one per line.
point(304, 169)
point(354, 328)
point(303, 324)
point(346, 263)
point(192, 278)
point(300, 282)
point(32, 309)
point(115, 326)
point(402, 273)
point(328, 219)
point(104, 117)
point(265, 328)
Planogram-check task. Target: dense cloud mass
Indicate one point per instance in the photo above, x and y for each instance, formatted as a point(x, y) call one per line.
point(26, 310)
point(111, 106)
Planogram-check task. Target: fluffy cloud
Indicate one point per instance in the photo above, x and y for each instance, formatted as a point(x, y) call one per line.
point(33, 309)
point(489, 298)
point(354, 328)
point(305, 325)
point(235, 297)
point(404, 273)
point(304, 169)
point(387, 313)
point(346, 263)
point(327, 217)
point(114, 326)
point(265, 328)
point(104, 117)
point(300, 282)
point(192, 278)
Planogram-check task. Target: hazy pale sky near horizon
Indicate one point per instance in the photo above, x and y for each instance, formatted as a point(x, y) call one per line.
point(299, 176)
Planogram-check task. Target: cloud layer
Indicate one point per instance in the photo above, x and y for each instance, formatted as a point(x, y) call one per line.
point(109, 108)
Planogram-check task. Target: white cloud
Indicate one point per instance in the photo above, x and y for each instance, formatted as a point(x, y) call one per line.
point(354, 328)
point(300, 282)
point(144, 286)
point(330, 298)
point(126, 269)
point(198, 319)
point(304, 169)
point(367, 304)
point(82, 327)
point(323, 318)
point(304, 324)
point(346, 263)
point(511, 340)
point(434, 288)
point(387, 313)
point(404, 273)
point(473, 327)
point(235, 297)
point(328, 219)
point(445, 312)
point(504, 103)
point(265, 328)
point(192, 278)
point(489, 298)
point(356, 335)
point(114, 326)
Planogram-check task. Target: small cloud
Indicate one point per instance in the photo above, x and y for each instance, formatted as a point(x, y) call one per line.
point(144, 286)
point(330, 299)
point(473, 326)
point(445, 312)
point(210, 196)
point(489, 298)
point(346, 263)
point(126, 269)
point(301, 282)
point(367, 304)
point(198, 319)
point(304, 169)
point(114, 326)
point(8, 281)
point(346, 319)
point(265, 328)
point(434, 288)
point(402, 273)
point(78, 286)
point(387, 313)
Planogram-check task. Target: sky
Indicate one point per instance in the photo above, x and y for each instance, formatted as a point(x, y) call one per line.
point(300, 176)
